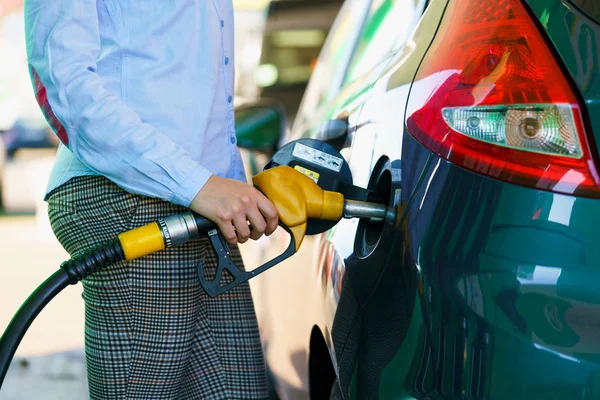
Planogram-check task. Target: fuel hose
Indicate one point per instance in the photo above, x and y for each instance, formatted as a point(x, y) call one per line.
point(156, 236)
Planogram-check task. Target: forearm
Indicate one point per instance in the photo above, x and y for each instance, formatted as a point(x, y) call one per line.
point(94, 123)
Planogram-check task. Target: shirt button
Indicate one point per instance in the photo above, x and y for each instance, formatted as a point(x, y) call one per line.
point(226, 60)
point(232, 139)
point(229, 99)
point(222, 23)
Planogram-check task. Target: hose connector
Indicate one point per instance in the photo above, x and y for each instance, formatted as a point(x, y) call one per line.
point(178, 229)
point(167, 232)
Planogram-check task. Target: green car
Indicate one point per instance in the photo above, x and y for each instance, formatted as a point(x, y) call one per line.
point(477, 120)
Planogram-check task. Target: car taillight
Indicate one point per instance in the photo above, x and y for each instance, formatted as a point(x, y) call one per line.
point(490, 97)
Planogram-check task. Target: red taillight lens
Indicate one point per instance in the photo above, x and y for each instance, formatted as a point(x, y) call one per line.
point(490, 97)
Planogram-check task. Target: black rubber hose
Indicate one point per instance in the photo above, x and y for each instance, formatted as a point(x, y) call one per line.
point(93, 260)
point(24, 317)
point(71, 272)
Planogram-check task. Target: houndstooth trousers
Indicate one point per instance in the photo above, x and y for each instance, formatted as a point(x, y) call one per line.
point(150, 330)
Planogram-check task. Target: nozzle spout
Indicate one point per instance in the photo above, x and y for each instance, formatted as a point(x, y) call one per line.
point(373, 211)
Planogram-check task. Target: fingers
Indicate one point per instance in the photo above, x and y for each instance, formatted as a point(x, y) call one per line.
point(262, 217)
point(269, 212)
point(232, 205)
point(227, 231)
point(242, 229)
point(257, 222)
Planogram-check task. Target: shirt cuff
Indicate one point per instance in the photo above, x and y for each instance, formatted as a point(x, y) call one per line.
point(195, 181)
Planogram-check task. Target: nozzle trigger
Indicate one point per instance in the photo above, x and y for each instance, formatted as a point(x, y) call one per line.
point(218, 285)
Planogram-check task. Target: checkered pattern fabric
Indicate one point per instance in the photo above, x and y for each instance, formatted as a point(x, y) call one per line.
point(150, 330)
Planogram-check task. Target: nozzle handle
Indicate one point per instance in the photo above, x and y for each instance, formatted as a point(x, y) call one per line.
point(203, 225)
point(220, 284)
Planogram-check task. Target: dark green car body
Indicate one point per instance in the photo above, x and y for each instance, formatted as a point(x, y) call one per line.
point(483, 289)
point(510, 273)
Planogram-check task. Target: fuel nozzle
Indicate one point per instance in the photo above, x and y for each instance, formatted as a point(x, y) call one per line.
point(298, 198)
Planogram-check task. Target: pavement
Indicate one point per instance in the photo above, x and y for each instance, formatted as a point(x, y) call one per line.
point(51, 377)
point(50, 361)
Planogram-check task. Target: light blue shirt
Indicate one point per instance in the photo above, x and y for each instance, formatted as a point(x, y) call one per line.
point(138, 91)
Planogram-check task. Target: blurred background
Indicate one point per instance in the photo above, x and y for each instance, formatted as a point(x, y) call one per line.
point(277, 45)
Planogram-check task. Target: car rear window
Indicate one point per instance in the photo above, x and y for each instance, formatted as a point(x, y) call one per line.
point(590, 7)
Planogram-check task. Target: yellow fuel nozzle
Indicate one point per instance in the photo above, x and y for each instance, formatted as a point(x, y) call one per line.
point(298, 198)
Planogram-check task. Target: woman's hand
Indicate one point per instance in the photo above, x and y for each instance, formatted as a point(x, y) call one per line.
point(232, 205)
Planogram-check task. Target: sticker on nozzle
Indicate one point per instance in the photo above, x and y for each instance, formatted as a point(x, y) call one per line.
point(311, 174)
point(318, 157)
